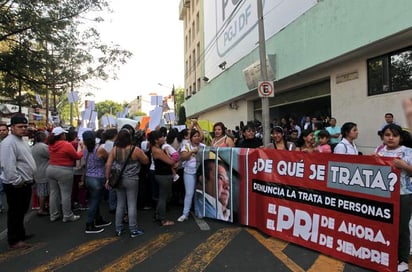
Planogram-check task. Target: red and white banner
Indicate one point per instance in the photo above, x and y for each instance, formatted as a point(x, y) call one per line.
point(341, 205)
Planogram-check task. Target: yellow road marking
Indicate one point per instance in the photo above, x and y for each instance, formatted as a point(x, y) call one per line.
point(75, 254)
point(19, 252)
point(325, 263)
point(204, 254)
point(277, 246)
point(135, 257)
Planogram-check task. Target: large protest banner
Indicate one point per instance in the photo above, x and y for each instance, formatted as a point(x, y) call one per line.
point(343, 206)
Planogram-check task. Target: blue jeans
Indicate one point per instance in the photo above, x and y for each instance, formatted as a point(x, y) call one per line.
point(190, 182)
point(127, 197)
point(96, 189)
point(112, 199)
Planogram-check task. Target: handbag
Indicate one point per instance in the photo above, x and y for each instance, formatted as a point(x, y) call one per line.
point(83, 176)
point(116, 173)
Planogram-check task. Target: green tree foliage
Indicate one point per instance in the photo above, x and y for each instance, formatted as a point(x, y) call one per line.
point(45, 46)
point(107, 107)
point(182, 116)
point(137, 113)
point(179, 96)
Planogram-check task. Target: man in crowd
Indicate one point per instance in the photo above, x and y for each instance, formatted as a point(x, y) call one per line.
point(388, 121)
point(4, 131)
point(17, 167)
point(334, 132)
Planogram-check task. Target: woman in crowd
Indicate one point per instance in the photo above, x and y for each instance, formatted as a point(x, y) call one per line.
point(163, 175)
point(249, 139)
point(306, 142)
point(171, 147)
point(129, 185)
point(188, 156)
point(79, 191)
point(221, 139)
point(95, 157)
point(63, 157)
point(109, 137)
point(40, 152)
point(393, 137)
point(278, 140)
point(349, 132)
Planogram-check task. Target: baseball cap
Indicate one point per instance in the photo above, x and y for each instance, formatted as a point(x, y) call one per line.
point(58, 130)
point(18, 119)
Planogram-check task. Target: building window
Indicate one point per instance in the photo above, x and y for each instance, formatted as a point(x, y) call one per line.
point(197, 23)
point(198, 52)
point(194, 32)
point(194, 59)
point(190, 36)
point(390, 73)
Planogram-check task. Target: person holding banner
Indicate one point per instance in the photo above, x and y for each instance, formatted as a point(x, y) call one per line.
point(347, 145)
point(221, 139)
point(249, 139)
point(278, 140)
point(393, 136)
point(213, 203)
point(188, 156)
point(306, 142)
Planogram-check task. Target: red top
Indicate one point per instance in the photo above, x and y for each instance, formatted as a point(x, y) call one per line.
point(62, 153)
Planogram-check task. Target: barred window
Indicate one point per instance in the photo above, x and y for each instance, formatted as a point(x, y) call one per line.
point(390, 73)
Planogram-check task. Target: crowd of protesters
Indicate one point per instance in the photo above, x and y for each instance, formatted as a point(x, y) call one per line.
point(67, 172)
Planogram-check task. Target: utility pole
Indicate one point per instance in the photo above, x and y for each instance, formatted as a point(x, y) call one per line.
point(263, 73)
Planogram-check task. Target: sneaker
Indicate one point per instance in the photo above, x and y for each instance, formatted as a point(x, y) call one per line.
point(119, 233)
point(83, 208)
point(71, 219)
point(403, 267)
point(102, 223)
point(55, 218)
point(182, 218)
point(176, 178)
point(136, 233)
point(93, 229)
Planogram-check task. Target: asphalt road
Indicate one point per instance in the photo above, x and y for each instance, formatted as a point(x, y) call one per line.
point(194, 245)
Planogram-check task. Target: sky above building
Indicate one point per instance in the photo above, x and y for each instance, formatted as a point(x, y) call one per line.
point(152, 31)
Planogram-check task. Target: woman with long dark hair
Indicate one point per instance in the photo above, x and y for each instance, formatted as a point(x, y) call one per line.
point(220, 138)
point(163, 175)
point(306, 142)
point(63, 157)
point(278, 140)
point(129, 185)
point(393, 137)
point(349, 132)
point(95, 158)
point(188, 156)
